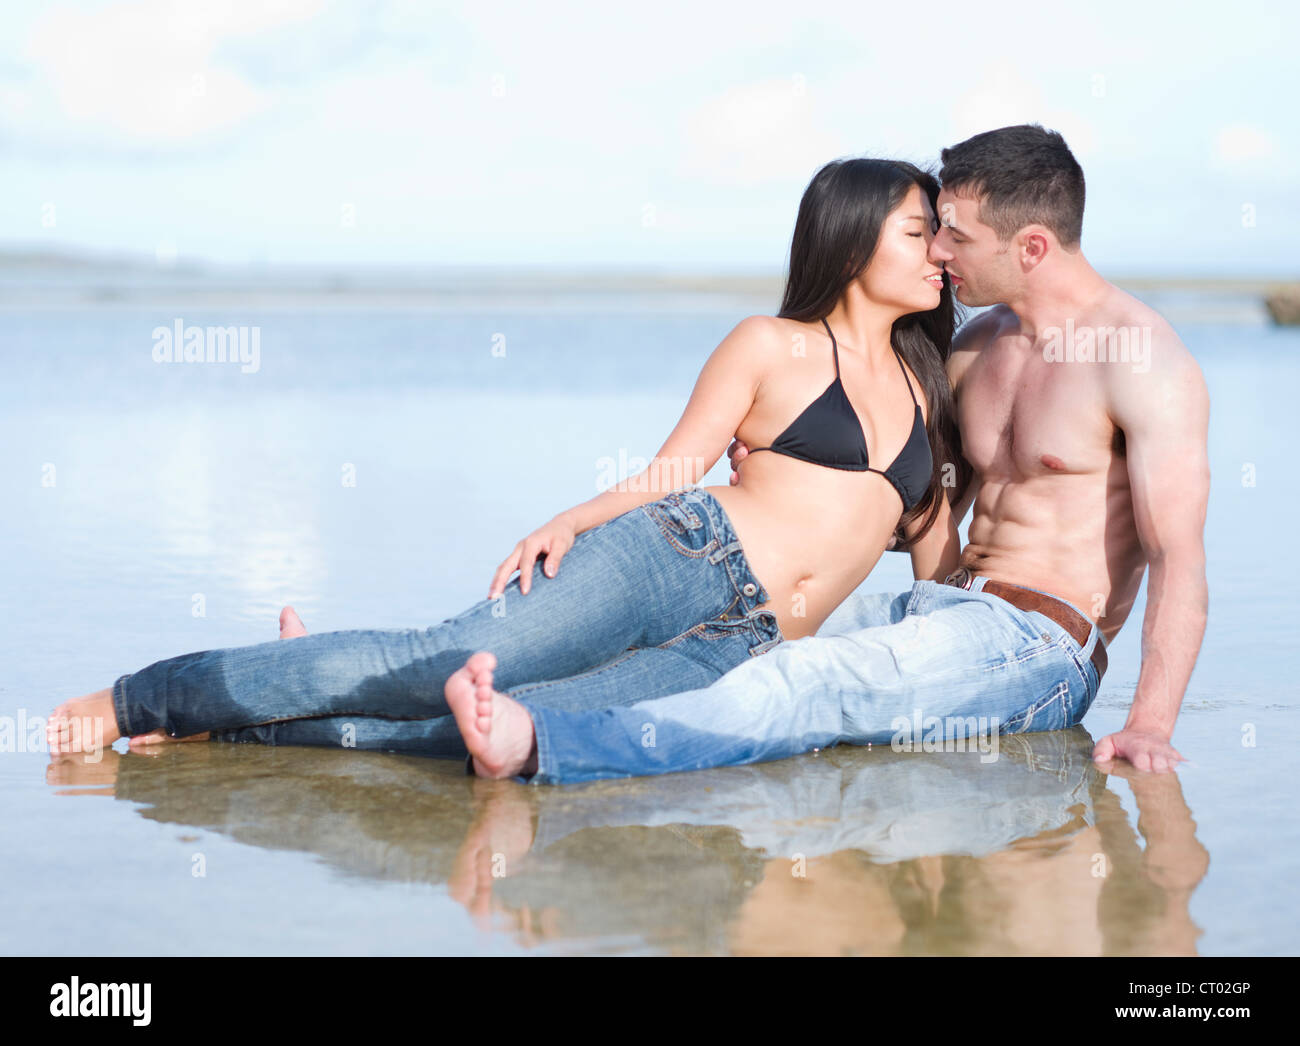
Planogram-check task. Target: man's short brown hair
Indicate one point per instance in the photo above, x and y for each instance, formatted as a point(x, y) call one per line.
point(1022, 175)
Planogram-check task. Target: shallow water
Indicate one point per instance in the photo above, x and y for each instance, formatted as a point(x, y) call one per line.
point(160, 508)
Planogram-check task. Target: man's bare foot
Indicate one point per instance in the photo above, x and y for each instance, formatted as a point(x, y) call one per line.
point(497, 731)
point(84, 724)
point(291, 626)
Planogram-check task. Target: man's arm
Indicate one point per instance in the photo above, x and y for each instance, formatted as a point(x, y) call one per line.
point(1164, 414)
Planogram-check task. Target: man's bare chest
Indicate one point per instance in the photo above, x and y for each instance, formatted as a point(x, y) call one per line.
point(1022, 415)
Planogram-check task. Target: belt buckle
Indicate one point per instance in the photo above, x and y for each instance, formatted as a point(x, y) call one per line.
point(960, 578)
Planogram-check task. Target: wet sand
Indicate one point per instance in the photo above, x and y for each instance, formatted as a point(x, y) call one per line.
point(229, 849)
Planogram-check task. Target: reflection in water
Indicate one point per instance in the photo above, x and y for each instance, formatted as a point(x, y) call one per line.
point(848, 852)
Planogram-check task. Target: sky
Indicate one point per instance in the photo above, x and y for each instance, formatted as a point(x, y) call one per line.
point(674, 136)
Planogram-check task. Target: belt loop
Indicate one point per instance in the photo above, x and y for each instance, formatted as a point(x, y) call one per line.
point(722, 552)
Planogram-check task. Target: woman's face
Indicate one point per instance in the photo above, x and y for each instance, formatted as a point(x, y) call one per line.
point(899, 273)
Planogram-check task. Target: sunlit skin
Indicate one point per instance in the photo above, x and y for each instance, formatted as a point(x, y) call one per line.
point(1087, 473)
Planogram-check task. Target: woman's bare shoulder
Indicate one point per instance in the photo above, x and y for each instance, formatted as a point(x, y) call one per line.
point(761, 329)
point(757, 343)
point(770, 336)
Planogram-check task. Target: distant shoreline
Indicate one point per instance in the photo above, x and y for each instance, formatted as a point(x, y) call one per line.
point(42, 277)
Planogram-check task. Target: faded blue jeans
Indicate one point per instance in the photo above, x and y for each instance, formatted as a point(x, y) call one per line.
point(658, 600)
point(936, 662)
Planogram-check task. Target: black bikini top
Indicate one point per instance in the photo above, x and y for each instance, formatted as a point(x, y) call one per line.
point(828, 433)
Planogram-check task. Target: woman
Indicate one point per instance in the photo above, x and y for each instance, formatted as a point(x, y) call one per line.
point(657, 586)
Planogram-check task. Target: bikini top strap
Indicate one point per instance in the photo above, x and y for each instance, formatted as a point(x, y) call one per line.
point(899, 355)
point(835, 349)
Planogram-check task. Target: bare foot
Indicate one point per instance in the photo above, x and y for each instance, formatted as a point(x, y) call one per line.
point(84, 724)
point(291, 626)
point(497, 730)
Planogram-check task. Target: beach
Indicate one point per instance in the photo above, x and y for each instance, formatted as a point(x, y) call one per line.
point(373, 467)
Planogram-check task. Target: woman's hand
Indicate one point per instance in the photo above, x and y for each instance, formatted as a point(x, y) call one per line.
point(554, 539)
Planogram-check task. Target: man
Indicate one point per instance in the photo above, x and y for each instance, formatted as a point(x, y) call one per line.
point(1085, 420)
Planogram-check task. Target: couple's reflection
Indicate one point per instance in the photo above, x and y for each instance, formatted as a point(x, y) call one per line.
point(851, 851)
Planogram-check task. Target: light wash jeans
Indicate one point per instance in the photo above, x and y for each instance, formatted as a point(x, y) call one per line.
point(899, 663)
point(656, 601)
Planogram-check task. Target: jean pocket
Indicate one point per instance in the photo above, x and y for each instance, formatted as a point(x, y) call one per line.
point(680, 524)
point(1049, 712)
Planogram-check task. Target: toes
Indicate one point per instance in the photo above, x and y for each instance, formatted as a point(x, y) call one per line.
point(291, 626)
point(482, 661)
point(483, 706)
point(458, 681)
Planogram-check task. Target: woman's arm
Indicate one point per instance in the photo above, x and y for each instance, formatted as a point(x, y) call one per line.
point(936, 555)
point(722, 397)
point(723, 394)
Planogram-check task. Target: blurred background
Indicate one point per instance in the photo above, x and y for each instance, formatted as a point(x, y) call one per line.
point(579, 135)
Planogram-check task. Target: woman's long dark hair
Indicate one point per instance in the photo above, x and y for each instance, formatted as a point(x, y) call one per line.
point(835, 236)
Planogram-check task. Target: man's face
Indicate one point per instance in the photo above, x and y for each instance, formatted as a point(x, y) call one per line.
point(981, 269)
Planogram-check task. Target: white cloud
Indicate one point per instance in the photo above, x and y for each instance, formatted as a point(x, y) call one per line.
point(1241, 145)
point(757, 133)
point(145, 72)
point(1003, 97)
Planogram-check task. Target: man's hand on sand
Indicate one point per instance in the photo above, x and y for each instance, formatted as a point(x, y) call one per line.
point(1145, 751)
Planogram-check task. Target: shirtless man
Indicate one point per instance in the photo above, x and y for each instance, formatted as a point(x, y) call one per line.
point(1085, 420)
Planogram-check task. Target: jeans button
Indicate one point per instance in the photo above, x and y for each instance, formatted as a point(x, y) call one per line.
point(749, 589)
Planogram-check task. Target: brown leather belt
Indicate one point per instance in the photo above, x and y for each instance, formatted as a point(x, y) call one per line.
point(1078, 627)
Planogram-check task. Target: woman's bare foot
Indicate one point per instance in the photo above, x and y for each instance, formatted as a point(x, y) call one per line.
point(84, 724)
point(497, 731)
point(291, 627)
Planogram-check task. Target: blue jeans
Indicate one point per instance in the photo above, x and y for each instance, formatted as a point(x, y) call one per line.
point(658, 600)
point(902, 662)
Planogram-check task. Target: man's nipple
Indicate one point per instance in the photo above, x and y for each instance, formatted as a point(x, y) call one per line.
point(1052, 462)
